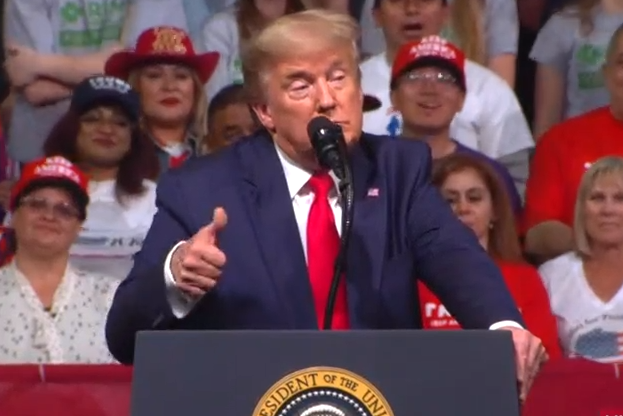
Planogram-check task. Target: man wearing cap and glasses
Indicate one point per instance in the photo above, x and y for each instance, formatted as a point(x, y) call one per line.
point(257, 249)
point(428, 89)
point(491, 121)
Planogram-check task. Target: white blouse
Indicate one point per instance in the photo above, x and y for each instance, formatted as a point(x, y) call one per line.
point(72, 332)
point(587, 326)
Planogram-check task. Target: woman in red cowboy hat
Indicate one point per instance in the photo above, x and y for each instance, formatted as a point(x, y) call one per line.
point(169, 76)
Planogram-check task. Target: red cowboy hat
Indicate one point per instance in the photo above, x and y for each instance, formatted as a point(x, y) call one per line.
point(162, 43)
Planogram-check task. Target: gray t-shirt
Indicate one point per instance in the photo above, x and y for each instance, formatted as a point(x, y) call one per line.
point(501, 27)
point(69, 27)
point(578, 57)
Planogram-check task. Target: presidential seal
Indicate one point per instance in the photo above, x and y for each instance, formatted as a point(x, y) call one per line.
point(323, 391)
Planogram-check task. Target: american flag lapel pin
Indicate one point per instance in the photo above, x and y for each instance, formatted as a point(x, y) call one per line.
point(373, 192)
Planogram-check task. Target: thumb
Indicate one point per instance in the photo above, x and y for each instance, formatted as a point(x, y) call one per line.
point(219, 221)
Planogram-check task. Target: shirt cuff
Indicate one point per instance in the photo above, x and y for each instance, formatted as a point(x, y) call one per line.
point(180, 303)
point(502, 324)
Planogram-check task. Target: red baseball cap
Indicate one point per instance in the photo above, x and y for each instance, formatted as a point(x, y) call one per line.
point(430, 51)
point(162, 43)
point(54, 171)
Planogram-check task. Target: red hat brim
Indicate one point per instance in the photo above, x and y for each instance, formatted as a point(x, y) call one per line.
point(120, 64)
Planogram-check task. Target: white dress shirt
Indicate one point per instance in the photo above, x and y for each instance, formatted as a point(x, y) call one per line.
point(302, 198)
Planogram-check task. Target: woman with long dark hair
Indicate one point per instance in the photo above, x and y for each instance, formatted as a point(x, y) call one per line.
point(481, 202)
point(101, 134)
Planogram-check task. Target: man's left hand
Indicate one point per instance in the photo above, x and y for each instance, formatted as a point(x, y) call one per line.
point(22, 64)
point(530, 355)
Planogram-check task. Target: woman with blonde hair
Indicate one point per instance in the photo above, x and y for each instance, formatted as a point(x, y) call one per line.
point(570, 51)
point(487, 31)
point(169, 77)
point(585, 286)
point(228, 31)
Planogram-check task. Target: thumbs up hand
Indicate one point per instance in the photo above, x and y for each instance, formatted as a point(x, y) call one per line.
point(197, 264)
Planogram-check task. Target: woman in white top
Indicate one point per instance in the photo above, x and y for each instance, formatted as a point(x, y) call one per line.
point(585, 287)
point(50, 312)
point(101, 134)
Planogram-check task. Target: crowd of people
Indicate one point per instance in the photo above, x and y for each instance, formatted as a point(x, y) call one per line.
point(105, 99)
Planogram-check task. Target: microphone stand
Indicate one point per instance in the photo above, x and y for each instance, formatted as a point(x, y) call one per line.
point(347, 199)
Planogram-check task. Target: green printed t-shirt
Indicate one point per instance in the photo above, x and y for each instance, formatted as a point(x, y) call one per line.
point(578, 57)
point(68, 27)
point(89, 25)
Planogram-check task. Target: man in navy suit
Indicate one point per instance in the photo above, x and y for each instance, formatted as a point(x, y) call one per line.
point(241, 241)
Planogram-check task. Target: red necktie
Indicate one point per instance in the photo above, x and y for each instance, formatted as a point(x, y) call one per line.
point(177, 161)
point(323, 246)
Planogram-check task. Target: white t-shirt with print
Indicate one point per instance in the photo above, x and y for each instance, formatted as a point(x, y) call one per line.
point(578, 57)
point(113, 232)
point(491, 120)
point(220, 34)
point(68, 27)
point(587, 326)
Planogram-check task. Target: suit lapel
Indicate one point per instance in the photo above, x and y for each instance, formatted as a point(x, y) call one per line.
point(276, 230)
point(368, 234)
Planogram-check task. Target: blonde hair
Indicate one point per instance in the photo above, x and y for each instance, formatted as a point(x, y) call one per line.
point(467, 25)
point(606, 166)
point(295, 34)
point(198, 123)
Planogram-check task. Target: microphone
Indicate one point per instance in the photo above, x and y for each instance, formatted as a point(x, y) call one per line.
point(328, 142)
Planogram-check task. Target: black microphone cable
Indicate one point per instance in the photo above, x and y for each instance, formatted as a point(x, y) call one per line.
point(329, 145)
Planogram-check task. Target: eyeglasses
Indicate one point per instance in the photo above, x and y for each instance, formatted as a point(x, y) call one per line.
point(59, 210)
point(436, 77)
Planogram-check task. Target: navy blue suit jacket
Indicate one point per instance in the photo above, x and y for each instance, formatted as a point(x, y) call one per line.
point(405, 231)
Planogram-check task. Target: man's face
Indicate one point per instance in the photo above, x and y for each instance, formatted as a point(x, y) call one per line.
point(428, 99)
point(405, 21)
point(230, 124)
point(297, 89)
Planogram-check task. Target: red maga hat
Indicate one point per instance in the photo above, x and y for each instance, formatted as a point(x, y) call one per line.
point(431, 51)
point(162, 43)
point(52, 171)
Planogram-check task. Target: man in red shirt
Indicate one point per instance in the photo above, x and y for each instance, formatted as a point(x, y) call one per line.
point(562, 156)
